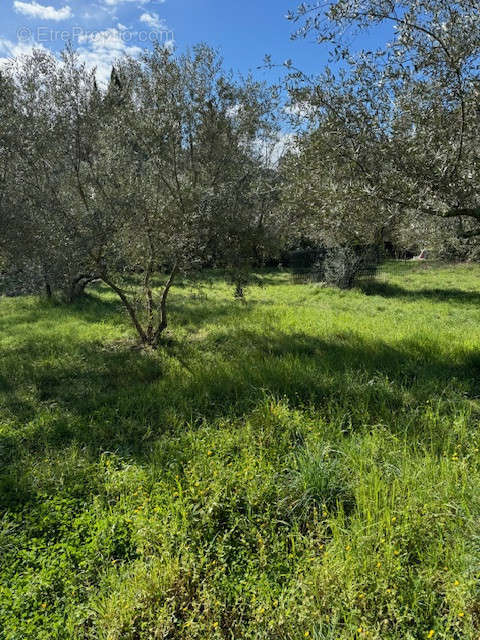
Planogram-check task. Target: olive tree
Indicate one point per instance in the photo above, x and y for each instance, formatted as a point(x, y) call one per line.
point(49, 124)
point(159, 174)
point(183, 147)
point(393, 132)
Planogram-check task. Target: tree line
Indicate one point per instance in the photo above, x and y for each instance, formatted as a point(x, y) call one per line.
point(175, 165)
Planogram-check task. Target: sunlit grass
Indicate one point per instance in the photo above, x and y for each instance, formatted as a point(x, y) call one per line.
point(302, 465)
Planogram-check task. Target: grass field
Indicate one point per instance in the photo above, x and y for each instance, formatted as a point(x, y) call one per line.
point(305, 465)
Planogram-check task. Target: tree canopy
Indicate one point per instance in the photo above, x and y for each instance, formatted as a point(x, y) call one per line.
point(393, 132)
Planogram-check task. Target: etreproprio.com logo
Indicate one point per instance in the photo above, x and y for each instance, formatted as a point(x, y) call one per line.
point(106, 37)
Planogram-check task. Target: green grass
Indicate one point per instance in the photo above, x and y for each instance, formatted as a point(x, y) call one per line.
point(305, 465)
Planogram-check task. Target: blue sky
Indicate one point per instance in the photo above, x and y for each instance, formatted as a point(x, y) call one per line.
point(244, 31)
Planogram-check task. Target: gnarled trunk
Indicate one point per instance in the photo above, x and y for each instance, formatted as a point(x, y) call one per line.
point(78, 285)
point(156, 318)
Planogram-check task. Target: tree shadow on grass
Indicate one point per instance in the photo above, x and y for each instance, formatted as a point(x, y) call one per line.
point(59, 390)
point(120, 398)
point(389, 290)
point(258, 278)
point(184, 310)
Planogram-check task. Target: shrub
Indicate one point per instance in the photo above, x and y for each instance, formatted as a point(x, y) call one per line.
point(344, 265)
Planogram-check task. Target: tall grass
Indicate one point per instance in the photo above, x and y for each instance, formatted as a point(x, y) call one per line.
point(305, 465)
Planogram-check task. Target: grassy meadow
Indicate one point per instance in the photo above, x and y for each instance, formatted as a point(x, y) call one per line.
point(304, 464)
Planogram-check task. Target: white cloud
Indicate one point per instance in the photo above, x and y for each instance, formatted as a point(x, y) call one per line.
point(102, 48)
point(11, 49)
point(153, 20)
point(273, 150)
point(233, 112)
point(114, 3)
point(36, 10)
point(300, 110)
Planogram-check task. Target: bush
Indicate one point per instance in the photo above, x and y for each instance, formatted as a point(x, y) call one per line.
point(344, 265)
